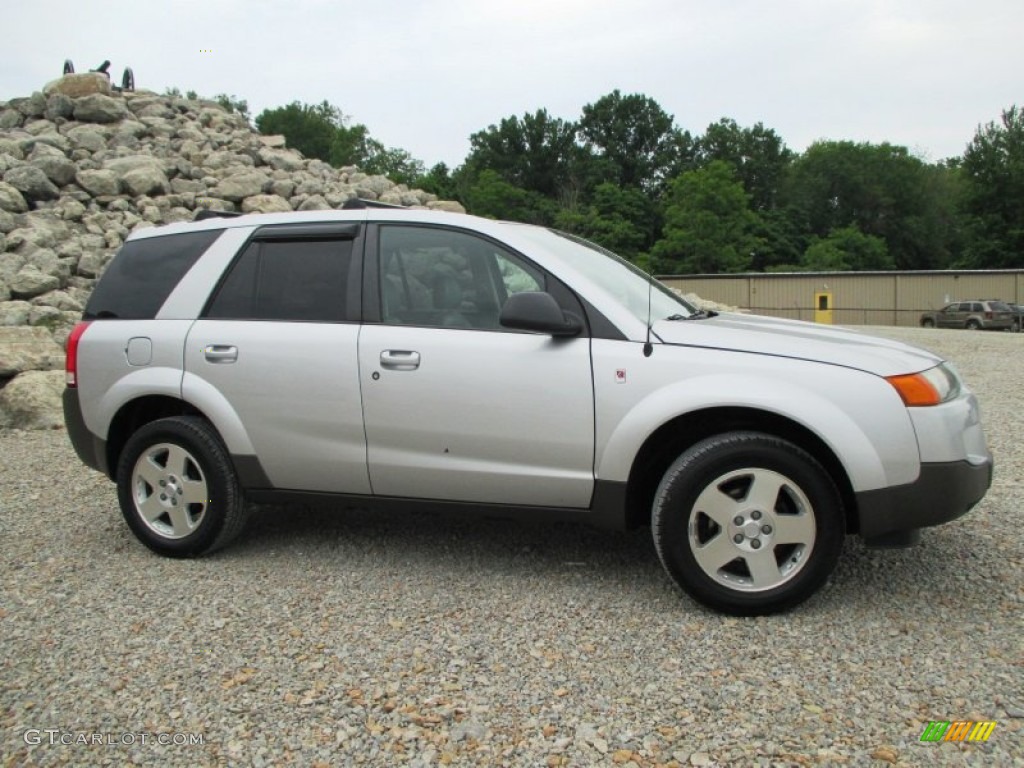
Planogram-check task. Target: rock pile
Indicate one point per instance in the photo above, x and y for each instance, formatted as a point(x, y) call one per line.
point(81, 168)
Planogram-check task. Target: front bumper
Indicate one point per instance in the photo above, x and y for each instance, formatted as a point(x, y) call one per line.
point(942, 492)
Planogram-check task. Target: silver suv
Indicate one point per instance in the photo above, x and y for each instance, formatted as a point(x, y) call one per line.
point(419, 359)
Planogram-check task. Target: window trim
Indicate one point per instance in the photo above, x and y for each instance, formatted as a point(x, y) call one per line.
point(567, 299)
point(279, 233)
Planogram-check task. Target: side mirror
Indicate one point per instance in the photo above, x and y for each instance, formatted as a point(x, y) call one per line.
point(538, 311)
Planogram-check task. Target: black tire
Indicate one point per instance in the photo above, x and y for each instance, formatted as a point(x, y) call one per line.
point(1016, 326)
point(728, 470)
point(178, 489)
point(973, 325)
point(927, 323)
point(69, 67)
point(128, 80)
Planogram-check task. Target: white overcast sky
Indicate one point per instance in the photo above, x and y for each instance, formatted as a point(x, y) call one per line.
point(425, 74)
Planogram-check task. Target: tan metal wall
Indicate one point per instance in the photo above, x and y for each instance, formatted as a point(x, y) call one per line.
point(858, 298)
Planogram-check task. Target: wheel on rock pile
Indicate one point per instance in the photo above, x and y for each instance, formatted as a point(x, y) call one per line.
point(69, 67)
point(747, 523)
point(128, 80)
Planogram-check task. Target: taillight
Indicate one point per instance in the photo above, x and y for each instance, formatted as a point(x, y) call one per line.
point(988, 315)
point(71, 354)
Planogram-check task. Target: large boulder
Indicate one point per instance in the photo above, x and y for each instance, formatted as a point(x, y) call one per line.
point(446, 205)
point(14, 313)
point(32, 183)
point(79, 84)
point(32, 281)
point(32, 400)
point(240, 186)
point(11, 199)
point(265, 204)
point(57, 168)
point(24, 348)
point(97, 108)
point(98, 182)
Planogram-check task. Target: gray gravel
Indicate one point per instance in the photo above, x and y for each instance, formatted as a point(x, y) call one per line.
point(353, 639)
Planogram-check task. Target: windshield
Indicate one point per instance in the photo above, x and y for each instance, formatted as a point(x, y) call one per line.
point(623, 281)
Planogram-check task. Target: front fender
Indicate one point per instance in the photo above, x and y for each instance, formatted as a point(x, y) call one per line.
point(867, 427)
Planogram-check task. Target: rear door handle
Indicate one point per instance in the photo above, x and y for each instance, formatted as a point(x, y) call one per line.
point(220, 353)
point(399, 360)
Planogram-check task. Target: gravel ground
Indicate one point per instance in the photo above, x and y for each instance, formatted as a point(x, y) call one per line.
point(351, 639)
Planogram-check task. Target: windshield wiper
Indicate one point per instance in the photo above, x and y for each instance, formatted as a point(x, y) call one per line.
point(700, 314)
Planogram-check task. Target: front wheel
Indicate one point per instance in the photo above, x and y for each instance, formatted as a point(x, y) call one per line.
point(747, 523)
point(973, 325)
point(927, 323)
point(177, 488)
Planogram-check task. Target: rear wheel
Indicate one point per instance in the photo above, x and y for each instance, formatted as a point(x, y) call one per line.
point(177, 488)
point(747, 523)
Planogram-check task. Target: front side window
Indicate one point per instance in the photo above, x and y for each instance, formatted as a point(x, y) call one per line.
point(298, 280)
point(448, 279)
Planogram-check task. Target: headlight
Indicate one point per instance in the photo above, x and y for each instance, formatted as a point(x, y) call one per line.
point(931, 387)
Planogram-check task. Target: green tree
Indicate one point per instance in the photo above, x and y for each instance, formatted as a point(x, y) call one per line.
point(397, 164)
point(847, 249)
point(635, 138)
point(534, 153)
point(881, 189)
point(758, 154)
point(615, 217)
point(309, 128)
point(491, 196)
point(234, 104)
point(709, 227)
point(993, 193)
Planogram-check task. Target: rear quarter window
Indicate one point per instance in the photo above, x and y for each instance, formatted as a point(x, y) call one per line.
point(144, 272)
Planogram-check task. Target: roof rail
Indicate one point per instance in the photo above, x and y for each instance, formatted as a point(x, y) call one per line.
point(359, 202)
point(208, 213)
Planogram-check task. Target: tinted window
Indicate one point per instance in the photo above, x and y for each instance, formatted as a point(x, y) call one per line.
point(302, 280)
point(144, 272)
point(446, 278)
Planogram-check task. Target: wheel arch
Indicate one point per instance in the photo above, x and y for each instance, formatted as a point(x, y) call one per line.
point(664, 445)
point(137, 413)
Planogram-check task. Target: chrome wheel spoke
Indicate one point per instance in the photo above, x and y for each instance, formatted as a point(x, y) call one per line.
point(717, 505)
point(178, 460)
point(715, 553)
point(181, 524)
point(764, 490)
point(764, 570)
point(194, 492)
point(150, 508)
point(150, 471)
point(794, 529)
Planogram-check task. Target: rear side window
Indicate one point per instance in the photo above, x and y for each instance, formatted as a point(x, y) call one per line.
point(301, 280)
point(144, 272)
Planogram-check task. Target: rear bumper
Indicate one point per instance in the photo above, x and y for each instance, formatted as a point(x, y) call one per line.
point(942, 492)
point(90, 449)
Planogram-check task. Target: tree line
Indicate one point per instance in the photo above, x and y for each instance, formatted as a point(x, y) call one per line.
point(732, 199)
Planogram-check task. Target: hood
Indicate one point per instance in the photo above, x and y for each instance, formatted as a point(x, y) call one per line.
point(801, 340)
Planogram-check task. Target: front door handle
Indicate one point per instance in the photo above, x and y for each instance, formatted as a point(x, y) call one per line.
point(399, 360)
point(220, 353)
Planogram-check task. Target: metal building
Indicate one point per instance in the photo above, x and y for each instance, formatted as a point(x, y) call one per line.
point(852, 298)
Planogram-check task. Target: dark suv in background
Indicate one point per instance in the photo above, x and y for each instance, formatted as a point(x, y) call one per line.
point(974, 315)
